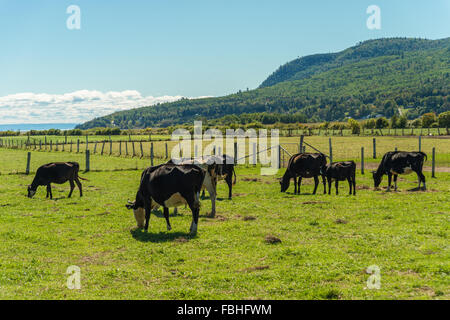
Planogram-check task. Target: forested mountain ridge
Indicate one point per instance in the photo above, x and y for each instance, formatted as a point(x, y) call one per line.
point(375, 77)
point(307, 66)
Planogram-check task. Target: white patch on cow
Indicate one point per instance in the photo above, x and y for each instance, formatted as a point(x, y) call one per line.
point(406, 170)
point(175, 200)
point(139, 215)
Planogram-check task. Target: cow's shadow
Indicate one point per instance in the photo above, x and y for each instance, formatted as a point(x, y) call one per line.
point(142, 236)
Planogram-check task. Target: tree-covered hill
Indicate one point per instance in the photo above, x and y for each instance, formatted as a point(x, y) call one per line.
point(376, 77)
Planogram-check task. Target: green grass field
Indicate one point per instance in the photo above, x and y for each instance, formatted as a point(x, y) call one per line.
point(327, 242)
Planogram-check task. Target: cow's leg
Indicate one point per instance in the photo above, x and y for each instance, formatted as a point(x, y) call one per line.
point(48, 191)
point(148, 210)
point(421, 179)
point(389, 182)
point(316, 184)
point(329, 185)
point(349, 179)
point(194, 204)
point(166, 215)
point(79, 186)
point(72, 186)
point(203, 193)
point(175, 211)
point(295, 184)
point(229, 181)
point(395, 182)
point(354, 185)
point(337, 186)
point(211, 187)
point(299, 184)
point(324, 185)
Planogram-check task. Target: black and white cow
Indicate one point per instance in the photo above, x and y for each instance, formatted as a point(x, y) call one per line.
point(340, 171)
point(210, 180)
point(168, 185)
point(59, 173)
point(400, 162)
point(304, 165)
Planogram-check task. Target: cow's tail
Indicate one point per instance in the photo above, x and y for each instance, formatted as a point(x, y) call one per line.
point(77, 169)
point(424, 155)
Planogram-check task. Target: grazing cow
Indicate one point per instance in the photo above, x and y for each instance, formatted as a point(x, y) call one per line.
point(210, 181)
point(304, 165)
point(340, 171)
point(224, 171)
point(400, 162)
point(168, 185)
point(57, 172)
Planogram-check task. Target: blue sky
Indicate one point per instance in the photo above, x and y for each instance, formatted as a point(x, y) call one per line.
point(186, 48)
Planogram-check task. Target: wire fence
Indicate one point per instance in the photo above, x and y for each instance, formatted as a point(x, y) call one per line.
point(136, 155)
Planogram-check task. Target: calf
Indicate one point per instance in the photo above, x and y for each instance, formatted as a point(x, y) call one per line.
point(340, 171)
point(304, 165)
point(57, 172)
point(400, 162)
point(168, 185)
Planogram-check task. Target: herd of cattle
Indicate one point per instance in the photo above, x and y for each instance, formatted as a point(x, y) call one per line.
point(173, 185)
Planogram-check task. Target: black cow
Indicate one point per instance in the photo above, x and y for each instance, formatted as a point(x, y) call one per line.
point(304, 165)
point(400, 162)
point(168, 185)
point(56, 172)
point(341, 171)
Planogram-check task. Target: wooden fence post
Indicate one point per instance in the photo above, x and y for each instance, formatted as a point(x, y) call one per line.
point(254, 154)
point(28, 163)
point(134, 151)
point(420, 143)
point(151, 154)
point(78, 145)
point(279, 156)
point(331, 150)
point(88, 162)
point(95, 147)
point(362, 160)
point(126, 148)
point(433, 163)
point(103, 148)
point(301, 143)
point(235, 153)
point(167, 152)
point(374, 148)
point(110, 147)
point(142, 150)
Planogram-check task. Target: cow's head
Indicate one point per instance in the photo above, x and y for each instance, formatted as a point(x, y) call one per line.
point(376, 178)
point(139, 213)
point(284, 182)
point(31, 192)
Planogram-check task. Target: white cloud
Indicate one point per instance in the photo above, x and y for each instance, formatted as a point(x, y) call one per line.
point(74, 107)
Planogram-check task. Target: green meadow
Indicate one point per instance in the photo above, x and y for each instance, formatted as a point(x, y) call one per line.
point(262, 244)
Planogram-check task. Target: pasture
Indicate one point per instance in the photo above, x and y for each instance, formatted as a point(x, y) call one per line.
point(327, 242)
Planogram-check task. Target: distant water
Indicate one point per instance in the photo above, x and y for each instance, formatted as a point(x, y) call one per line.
point(37, 126)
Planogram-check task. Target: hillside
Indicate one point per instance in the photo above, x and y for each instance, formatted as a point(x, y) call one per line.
point(374, 77)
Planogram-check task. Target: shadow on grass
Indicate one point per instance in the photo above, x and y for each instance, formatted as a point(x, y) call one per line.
point(142, 236)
